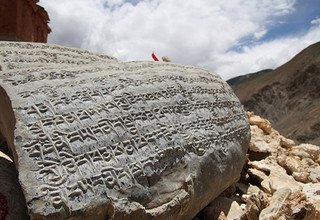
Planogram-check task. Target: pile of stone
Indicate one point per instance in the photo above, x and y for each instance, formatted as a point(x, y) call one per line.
point(280, 180)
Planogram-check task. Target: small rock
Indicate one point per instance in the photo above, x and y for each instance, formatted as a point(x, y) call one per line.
point(278, 179)
point(222, 216)
point(300, 153)
point(315, 174)
point(301, 176)
point(311, 149)
point(286, 204)
point(166, 59)
point(260, 175)
point(253, 189)
point(264, 165)
point(308, 162)
point(235, 211)
point(262, 142)
point(259, 141)
point(260, 199)
point(312, 192)
point(286, 143)
point(262, 123)
point(276, 202)
point(251, 211)
point(290, 163)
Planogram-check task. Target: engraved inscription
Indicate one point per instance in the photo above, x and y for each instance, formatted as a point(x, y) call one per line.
point(103, 127)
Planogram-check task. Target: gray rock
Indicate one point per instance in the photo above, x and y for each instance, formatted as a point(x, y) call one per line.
point(94, 138)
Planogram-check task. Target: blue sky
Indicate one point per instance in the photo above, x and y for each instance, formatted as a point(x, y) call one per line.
point(297, 22)
point(231, 37)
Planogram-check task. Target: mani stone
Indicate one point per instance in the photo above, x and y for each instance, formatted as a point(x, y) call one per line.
point(96, 138)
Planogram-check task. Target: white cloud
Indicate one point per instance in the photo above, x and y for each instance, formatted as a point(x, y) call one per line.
point(192, 32)
point(316, 21)
point(266, 55)
point(259, 34)
point(112, 3)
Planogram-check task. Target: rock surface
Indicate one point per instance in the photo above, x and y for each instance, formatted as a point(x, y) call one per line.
point(95, 138)
point(280, 180)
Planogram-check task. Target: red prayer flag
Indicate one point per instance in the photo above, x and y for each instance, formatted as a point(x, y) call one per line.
point(154, 57)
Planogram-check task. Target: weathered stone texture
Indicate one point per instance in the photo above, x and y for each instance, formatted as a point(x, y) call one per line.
point(95, 137)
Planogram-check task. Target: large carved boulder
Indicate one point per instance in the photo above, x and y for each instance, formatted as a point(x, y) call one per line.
point(95, 138)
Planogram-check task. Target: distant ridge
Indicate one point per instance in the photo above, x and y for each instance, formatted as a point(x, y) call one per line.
point(250, 76)
point(288, 96)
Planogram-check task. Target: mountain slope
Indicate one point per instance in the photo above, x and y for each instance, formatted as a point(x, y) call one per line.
point(288, 96)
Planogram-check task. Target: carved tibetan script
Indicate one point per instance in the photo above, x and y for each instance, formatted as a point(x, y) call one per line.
point(94, 128)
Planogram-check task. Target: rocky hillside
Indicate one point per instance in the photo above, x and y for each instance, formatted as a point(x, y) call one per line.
point(288, 96)
point(237, 81)
point(280, 180)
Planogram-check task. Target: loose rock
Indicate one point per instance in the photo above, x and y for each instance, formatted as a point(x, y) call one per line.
point(279, 180)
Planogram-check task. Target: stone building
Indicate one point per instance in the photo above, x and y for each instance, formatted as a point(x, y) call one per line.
point(23, 20)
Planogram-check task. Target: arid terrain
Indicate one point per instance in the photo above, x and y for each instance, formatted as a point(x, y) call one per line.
point(288, 96)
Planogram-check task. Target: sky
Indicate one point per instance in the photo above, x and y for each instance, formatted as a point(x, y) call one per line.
point(231, 38)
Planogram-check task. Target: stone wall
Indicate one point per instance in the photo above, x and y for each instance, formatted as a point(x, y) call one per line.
point(23, 20)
